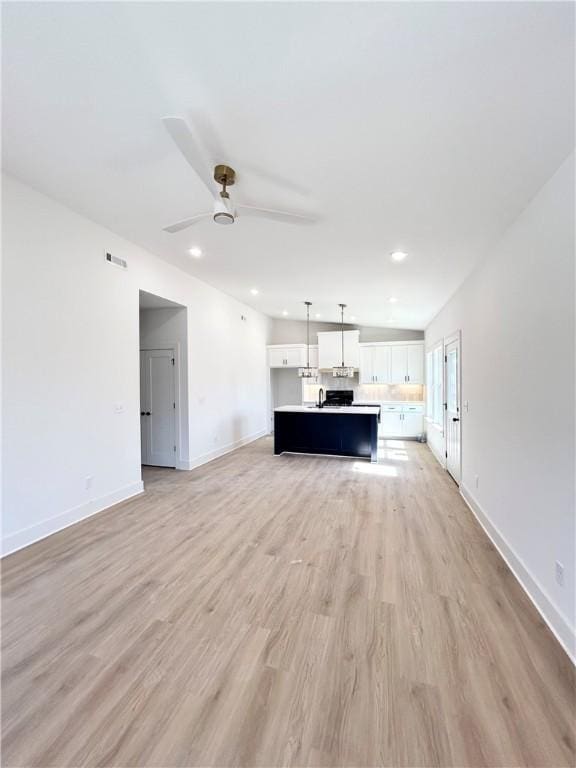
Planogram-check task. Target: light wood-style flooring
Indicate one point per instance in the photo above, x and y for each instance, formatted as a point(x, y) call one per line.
point(264, 611)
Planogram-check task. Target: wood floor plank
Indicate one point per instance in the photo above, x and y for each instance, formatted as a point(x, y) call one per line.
point(280, 611)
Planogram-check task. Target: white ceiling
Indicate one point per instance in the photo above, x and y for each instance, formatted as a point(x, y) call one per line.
point(420, 126)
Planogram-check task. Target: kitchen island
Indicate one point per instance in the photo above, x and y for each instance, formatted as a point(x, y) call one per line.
point(332, 431)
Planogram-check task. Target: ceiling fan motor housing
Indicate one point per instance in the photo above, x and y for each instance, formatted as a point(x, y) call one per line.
point(223, 210)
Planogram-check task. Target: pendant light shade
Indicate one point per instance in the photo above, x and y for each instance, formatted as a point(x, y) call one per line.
point(307, 372)
point(342, 371)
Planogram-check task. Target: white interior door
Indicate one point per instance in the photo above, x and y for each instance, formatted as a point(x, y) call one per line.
point(158, 407)
point(453, 424)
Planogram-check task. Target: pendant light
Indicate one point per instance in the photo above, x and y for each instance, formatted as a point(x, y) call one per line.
point(342, 371)
point(307, 372)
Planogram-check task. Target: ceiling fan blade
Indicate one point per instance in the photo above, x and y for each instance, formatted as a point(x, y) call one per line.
point(185, 223)
point(282, 216)
point(190, 147)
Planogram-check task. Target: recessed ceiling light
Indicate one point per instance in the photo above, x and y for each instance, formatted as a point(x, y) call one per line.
point(353, 318)
point(392, 299)
point(317, 314)
point(398, 255)
point(254, 291)
point(196, 252)
point(284, 312)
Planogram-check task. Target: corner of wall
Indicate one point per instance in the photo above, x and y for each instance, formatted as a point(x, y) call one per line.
point(559, 626)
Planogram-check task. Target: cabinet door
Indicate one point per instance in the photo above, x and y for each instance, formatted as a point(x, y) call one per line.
point(415, 364)
point(313, 356)
point(390, 424)
point(412, 424)
point(351, 348)
point(398, 364)
point(366, 368)
point(329, 349)
point(295, 357)
point(276, 357)
point(381, 365)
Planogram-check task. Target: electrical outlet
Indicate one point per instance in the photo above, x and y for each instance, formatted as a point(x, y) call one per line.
point(476, 481)
point(88, 482)
point(559, 573)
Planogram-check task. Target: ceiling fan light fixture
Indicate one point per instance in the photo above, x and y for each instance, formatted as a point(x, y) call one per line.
point(223, 217)
point(224, 211)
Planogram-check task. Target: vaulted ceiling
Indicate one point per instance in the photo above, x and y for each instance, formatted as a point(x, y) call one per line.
point(425, 127)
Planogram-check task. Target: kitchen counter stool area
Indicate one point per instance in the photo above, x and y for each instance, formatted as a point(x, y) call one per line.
point(345, 431)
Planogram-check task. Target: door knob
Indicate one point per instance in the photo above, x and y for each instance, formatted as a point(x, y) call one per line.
point(142, 413)
point(147, 413)
point(454, 419)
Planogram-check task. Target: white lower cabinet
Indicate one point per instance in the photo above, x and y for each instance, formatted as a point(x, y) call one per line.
point(401, 420)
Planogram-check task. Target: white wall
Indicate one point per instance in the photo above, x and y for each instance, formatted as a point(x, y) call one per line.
point(71, 357)
point(516, 314)
point(294, 332)
point(164, 328)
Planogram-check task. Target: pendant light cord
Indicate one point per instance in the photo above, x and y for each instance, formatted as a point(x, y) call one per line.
point(307, 334)
point(342, 327)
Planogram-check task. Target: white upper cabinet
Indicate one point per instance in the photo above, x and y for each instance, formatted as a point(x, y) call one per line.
point(295, 356)
point(374, 364)
point(407, 364)
point(313, 356)
point(415, 368)
point(330, 349)
point(291, 356)
point(366, 366)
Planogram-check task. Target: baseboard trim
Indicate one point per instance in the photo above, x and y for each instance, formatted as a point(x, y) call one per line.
point(42, 530)
point(440, 459)
point(554, 619)
point(205, 458)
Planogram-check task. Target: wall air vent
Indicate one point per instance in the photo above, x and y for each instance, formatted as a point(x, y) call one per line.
point(116, 260)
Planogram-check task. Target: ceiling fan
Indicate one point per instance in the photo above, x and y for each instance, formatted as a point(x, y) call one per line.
point(224, 211)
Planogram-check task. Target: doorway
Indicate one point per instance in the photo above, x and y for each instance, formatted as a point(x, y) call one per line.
point(158, 407)
point(164, 428)
point(453, 429)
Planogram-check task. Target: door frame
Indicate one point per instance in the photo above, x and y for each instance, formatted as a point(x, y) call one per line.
point(174, 347)
point(453, 337)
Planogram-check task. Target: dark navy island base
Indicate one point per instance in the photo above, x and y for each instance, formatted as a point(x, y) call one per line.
point(344, 432)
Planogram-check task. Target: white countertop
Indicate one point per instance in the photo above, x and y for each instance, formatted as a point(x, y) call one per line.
point(390, 402)
point(358, 410)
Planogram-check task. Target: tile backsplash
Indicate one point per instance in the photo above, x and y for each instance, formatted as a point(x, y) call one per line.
point(375, 392)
